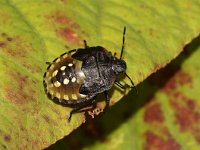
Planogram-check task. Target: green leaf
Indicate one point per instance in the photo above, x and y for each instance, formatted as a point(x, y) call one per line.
point(35, 32)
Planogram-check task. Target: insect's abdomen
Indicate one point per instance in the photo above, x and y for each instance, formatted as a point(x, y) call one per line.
point(63, 78)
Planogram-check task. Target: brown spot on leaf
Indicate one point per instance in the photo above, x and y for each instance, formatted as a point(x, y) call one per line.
point(66, 28)
point(9, 39)
point(155, 142)
point(186, 114)
point(3, 34)
point(7, 138)
point(2, 44)
point(46, 118)
point(153, 113)
point(33, 68)
point(183, 78)
point(17, 49)
point(171, 85)
point(180, 78)
point(61, 19)
point(20, 89)
point(191, 104)
point(69, 35)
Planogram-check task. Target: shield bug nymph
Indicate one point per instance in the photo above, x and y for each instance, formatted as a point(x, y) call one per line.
point(76, 77)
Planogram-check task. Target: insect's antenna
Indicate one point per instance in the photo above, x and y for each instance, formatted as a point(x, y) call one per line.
point(123, 42)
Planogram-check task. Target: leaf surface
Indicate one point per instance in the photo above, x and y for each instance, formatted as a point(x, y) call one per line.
point(35, 32)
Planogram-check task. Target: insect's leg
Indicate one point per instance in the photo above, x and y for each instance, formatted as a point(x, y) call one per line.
point(115, 54)
point(76, 110)
point(133, 86)
point(48, 63)
point(119, 84)
point(125, 86)
point(85, 43)
point(107, 100)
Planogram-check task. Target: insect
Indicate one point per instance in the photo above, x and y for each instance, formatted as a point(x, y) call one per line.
point(76, 77)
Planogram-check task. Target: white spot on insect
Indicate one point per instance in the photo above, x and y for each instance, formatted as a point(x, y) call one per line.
point(66, 97)
point(54, 73)
point(66, 81)
point(49, 79)
point(47, 74)
point(73, 79)
point(80, 77)
point(50, 85)
point(82, 95)
point(58, 95)
point(65, 56)
point(70, 64)
point(62, 68)
point(57, 84)
point(52, 66)
point(51, 92)
point(58, 60)
point(81, 74)
point(74, 96)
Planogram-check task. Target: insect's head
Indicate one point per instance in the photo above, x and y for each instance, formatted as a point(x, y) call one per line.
point(119, 65)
